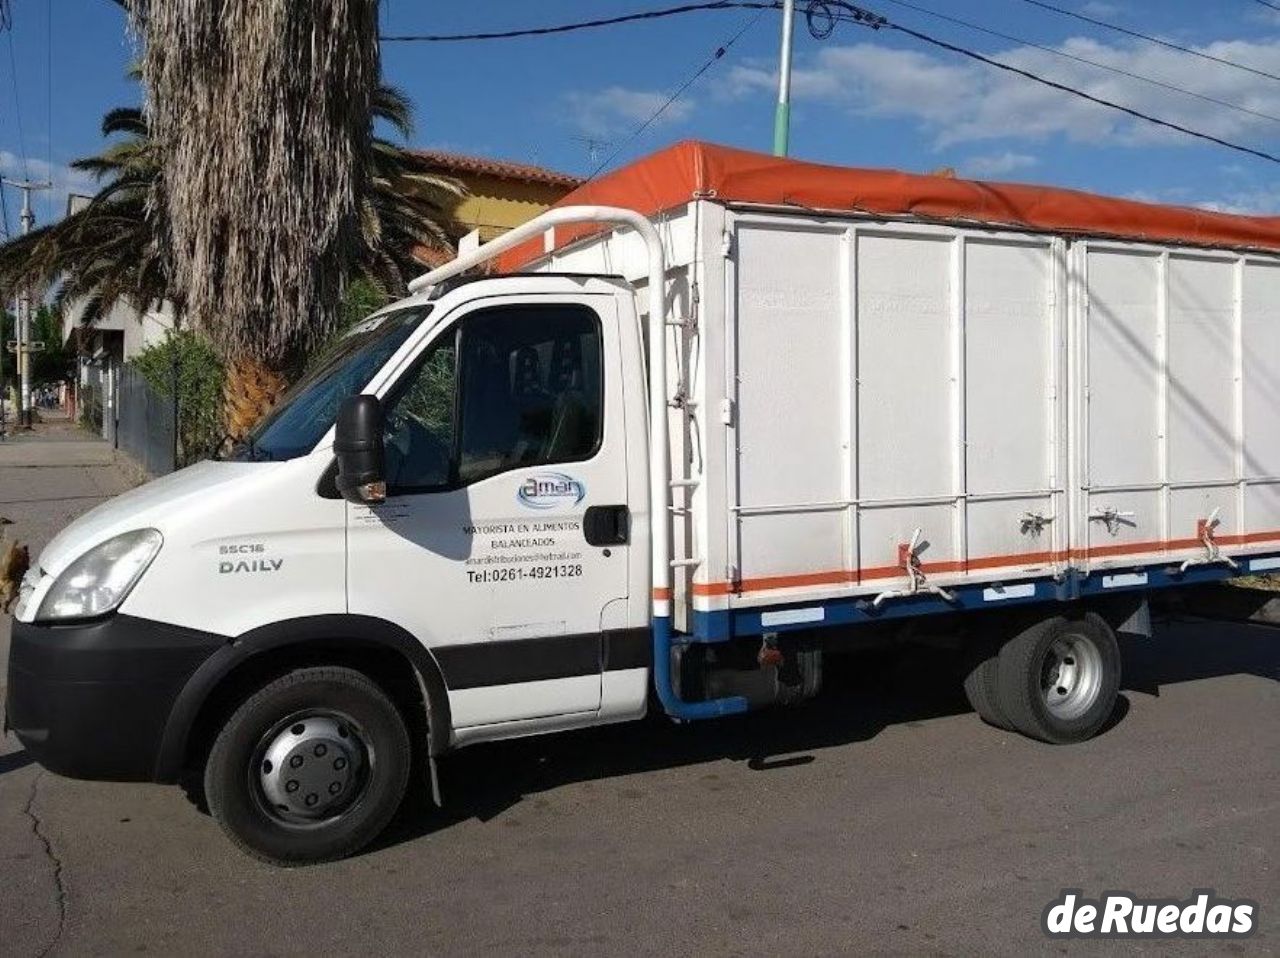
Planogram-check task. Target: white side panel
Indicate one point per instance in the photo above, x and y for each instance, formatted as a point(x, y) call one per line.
point(1010, 410)
point(890, 379)
point(791, 376)
point(1123, 368)
point(906, 382)
point(1201, 364)
point(1124, 413)
point(1260, 396)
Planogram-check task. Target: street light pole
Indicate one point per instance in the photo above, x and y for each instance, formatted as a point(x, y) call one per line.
point(782, 115)
point(28, 219)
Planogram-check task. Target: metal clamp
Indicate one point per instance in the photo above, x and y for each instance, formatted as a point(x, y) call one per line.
point(918, 584)
point(1033, 523)
point(1114, 519)
point(1212, 554)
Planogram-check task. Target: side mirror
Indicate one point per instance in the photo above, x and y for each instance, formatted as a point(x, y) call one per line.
point(358, 447)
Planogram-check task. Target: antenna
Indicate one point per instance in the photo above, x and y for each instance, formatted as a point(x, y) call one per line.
point(595, 147)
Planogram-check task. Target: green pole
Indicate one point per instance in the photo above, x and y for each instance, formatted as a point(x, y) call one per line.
point(781, 129)
point(782, 116)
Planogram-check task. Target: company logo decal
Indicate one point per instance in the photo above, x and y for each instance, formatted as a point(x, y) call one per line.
point(551, 490)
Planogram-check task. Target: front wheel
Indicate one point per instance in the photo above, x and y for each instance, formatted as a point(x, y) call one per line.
point(1058, 680)
point(310, 768)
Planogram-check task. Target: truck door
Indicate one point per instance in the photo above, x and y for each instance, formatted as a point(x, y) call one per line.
point(505, 530)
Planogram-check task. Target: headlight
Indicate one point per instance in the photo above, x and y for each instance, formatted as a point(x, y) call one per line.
point(100, 579)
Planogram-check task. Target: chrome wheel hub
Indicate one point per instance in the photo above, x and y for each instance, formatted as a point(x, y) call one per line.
point(1071, 676)
point(312, 766)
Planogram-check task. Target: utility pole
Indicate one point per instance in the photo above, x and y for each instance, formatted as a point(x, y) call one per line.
point(28, 219)
point(782, 116)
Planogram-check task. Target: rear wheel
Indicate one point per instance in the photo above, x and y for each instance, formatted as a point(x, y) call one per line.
point(310, 768)
point(981, 671)
point(1058, 680)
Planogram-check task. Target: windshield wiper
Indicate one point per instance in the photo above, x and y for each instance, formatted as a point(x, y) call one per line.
point(242, 450)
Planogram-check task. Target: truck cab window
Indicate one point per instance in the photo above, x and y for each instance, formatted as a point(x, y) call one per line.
point(514, 386)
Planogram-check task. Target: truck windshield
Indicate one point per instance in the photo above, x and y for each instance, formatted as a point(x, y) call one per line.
point(308, 409)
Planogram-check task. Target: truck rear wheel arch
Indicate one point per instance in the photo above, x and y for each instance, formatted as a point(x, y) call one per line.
point(382, 650)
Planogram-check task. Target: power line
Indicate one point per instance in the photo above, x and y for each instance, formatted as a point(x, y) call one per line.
point(582, 24)
point(860, 15)
point(1085, 60)
point(821, 14)
point(720, 51)
point(17, 107)
point(1150, 39)
point(1268, 4)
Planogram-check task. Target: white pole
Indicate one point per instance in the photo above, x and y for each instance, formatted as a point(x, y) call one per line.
point(28, 220)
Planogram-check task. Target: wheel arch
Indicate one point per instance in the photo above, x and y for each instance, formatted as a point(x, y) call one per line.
point(389, 654)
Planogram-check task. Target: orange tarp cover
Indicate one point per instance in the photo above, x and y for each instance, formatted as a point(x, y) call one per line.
point(674, 176)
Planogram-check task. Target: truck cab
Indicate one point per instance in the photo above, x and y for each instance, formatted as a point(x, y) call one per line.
point(494, 585)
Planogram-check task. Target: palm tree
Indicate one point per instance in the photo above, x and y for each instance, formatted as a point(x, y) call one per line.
point(115, 247)
point(261, 109)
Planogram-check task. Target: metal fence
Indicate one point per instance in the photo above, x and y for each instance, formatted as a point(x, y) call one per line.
point(90, 408)
point(146, 423)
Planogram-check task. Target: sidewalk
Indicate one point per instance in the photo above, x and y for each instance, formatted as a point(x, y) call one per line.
point(51, 475)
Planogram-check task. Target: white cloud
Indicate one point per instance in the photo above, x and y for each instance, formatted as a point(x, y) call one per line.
point(997, 164)
point(1251, 199)
point(45, 203)
point(957, 101)
point(1255, 201)
point(616, 110)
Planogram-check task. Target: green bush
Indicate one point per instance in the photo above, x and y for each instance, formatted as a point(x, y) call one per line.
point(186, 363)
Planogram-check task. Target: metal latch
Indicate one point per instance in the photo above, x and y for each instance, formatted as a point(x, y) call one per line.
point(917, 583)
point(1114, 519)
point(1212, 554)
point(1033, 523)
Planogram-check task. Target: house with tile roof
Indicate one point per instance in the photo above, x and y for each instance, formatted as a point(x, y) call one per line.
point(498, 194)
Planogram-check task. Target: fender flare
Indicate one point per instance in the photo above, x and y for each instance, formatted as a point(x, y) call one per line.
point(353, 630)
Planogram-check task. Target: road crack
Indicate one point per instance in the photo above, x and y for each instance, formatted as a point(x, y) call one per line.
point(37, 829)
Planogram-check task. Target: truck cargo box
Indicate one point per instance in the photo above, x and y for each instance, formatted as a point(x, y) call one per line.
point(872, 409)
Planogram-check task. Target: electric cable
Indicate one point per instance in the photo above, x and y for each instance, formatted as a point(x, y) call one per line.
point(719, 53)
point(1150, 39)
point(820, 17)
point(861, 17)
point(1085, 60)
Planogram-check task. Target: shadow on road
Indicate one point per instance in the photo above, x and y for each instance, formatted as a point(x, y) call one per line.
point(863, 694)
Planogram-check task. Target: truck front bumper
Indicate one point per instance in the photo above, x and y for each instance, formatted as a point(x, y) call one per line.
point(91, 699)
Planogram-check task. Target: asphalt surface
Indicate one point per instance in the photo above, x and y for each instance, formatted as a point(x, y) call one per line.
point(883, 818)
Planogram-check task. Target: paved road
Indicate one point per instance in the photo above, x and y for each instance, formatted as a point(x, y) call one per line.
point(884, 818)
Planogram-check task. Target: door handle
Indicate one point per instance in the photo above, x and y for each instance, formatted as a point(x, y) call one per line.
point(607, 525)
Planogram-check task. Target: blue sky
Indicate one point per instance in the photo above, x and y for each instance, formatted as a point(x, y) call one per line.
point(861, 98)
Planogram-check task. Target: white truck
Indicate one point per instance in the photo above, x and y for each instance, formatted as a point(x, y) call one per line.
point(716, 429)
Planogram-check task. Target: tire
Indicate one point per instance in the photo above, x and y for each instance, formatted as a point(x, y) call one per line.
point(981, 673)
point(1057, 680)
point(310, 768)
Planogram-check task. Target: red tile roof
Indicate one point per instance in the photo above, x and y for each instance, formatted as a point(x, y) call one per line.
point(461, 163)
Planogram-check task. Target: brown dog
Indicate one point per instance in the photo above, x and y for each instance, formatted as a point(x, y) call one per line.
point(14, 562)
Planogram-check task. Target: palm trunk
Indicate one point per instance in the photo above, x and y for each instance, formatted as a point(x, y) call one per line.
point(249, 391)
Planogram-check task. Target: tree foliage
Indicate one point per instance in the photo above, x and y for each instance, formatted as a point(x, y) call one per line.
point(115, 248)
point(185, 366)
